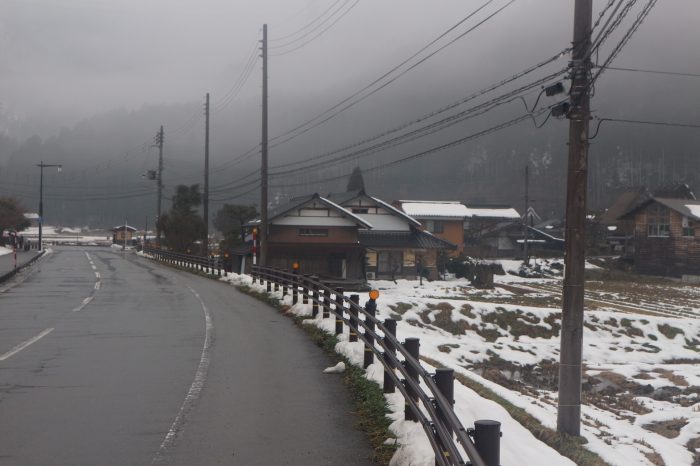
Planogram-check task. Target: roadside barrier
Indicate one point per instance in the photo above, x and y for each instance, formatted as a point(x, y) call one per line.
point(432, 407)
point(203, 264)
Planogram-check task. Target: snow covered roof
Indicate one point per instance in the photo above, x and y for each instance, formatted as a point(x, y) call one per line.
point(121, 227)
point(685, 207)
point(492, 212)
point(31, 216)
point(435, 209)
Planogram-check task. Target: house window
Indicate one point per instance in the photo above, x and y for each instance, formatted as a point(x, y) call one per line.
point(658, 221)
point(688, 228)
point(356, 210)
point(313, 231)
point(435, 226)
point(389, 261)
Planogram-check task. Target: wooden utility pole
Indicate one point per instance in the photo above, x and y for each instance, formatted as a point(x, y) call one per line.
point(205, 198)
point(159, 142)
point(569, 413)
point(526, 255)
point(263, 167)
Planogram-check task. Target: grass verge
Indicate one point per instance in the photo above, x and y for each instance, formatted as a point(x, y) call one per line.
point(571, 447)
point(370, 404)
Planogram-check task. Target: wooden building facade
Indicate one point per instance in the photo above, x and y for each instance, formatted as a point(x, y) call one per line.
point(666, 236)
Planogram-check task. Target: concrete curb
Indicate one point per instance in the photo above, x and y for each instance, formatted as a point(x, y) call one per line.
point(12, 273)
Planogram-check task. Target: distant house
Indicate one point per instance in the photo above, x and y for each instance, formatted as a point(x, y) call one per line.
point(666, 236)
point(444, 219)
point(320, 235)
point(396, 245)
point(120, 232)
point(621, 232)
point(32, 218)
point(489, 231)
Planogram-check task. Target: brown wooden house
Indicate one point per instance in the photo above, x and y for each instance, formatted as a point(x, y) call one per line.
point(320, 235)
point(396, 246)
point(666, 236)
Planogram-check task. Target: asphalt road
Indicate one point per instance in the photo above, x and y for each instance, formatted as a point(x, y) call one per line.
point(107, 358)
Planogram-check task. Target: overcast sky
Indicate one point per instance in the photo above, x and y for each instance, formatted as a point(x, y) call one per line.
point(69, 59)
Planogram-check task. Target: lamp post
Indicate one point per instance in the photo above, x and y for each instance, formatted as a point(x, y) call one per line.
point(41, 166)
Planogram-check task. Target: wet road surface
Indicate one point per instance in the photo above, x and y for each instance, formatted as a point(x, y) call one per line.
point(107, 358)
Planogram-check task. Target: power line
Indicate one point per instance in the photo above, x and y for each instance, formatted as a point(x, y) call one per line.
point(431, 128)
point(304, 44)
point(433, 150)
point(348, 102)
point(643, 122)
point(625, 39)
point(443, 109)
point(669, 73)
point(309, 24)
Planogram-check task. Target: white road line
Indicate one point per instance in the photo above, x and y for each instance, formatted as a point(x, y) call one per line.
point(93, 266)
point(88, 256)
point(85, 302)
point(195, 390)
point(25, 344)
point(97, 285)
point(97, 275)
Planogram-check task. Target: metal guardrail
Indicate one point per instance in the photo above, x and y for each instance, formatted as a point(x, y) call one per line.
point(200, 263)
point(432, 408)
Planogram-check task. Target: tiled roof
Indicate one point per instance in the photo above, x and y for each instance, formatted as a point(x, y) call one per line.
point(415, 239)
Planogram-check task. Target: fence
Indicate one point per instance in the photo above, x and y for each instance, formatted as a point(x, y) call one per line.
point(203, 264)
point(437, 417)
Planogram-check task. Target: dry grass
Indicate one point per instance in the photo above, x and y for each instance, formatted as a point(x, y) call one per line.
point(669, 429)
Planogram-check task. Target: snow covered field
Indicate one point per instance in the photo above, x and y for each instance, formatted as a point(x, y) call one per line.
point(641, 355)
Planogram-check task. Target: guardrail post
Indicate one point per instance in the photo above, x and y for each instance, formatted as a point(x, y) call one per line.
point(315, 297)
point(355, 298)
point(268, 279)
point(295, 286)
point(284, 278)
point(370, 310)
point(304, 289)
point(445, 380)
point(326, 303)
point(487, 440)
point(338, 311)
point(412, 346)
point(253, 273)
point(276, 279)
point(389, 385)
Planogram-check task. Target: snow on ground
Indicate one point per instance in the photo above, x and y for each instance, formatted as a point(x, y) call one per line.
point(4, 250)
point(641, 371)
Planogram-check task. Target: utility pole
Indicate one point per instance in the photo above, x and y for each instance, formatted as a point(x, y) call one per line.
point(205, 241)
point(569, 413)
point(526, 256)
point(263, 167)
point(160, 137)
point(41, 166)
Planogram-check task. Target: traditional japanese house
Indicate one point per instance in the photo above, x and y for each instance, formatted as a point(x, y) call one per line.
point(396, 246)
point(666, 236)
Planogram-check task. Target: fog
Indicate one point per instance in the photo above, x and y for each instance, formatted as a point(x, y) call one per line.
point(88, 83)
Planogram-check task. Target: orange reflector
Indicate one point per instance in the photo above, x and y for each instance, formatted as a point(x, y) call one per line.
point(374, 294)
point(295, 265)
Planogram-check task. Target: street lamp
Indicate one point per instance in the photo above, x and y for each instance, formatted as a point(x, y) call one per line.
point(43, 165)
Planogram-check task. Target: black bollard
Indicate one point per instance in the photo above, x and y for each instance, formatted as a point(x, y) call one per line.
point(326, 303)
point(389, 385)
point(355, 298)
point(412, 346)
point(487, 440)
point(445, 379)
point(338, 311)
point(315, 297)
point(370, 310)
